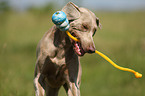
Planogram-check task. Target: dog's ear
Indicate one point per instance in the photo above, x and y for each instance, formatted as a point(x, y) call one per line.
point(72, 11)
point(98, 23)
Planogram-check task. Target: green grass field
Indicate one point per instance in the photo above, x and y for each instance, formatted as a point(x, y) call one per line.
point(122, 38)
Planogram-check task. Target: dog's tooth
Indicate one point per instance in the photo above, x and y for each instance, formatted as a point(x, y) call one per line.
point(79, 49)
point(79, 52)
point(77, 45)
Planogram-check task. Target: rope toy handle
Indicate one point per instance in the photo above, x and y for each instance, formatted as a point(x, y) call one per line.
point(60, 19)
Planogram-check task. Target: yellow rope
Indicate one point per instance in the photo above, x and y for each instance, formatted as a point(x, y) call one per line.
point(137, 75)
point(72, 37)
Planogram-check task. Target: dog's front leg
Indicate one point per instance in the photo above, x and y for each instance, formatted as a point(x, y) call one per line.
point(72, 87)
point(73, 90)
point(39, 90)
point(73, 77)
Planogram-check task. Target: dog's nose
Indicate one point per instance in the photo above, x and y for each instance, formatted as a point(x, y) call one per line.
point(90, 49)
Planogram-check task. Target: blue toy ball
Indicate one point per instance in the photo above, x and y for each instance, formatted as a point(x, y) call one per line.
point(59, 18)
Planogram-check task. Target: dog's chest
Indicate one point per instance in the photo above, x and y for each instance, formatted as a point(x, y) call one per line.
point(58, 61)
point(59, 58)
point(56, 69)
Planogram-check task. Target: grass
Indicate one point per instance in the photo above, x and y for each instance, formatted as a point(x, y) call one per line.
point(122, 38)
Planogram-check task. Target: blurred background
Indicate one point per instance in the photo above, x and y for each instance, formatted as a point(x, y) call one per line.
point(122, 38)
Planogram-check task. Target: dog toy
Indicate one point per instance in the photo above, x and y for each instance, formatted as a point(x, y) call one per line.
point(60, 19)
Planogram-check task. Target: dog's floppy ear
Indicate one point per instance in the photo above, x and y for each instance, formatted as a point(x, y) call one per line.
point(72, 11)
point(98, 23)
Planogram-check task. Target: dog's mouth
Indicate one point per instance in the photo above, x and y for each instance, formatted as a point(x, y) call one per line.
point(77, 47)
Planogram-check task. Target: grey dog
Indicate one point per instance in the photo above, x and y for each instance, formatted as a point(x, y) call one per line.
point(58, 55)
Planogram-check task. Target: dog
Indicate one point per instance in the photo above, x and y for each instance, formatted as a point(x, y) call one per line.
point(58, 55)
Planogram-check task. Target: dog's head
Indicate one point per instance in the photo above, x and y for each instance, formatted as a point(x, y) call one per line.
point(83, 25)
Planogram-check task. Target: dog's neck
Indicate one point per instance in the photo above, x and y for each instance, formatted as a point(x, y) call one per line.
point(63, 44)
point(61, 39)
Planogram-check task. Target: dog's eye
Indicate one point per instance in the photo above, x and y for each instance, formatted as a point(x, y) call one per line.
point(94, 32)
point(85, 27)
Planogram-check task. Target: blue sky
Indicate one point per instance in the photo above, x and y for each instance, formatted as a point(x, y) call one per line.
point(91, 4)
